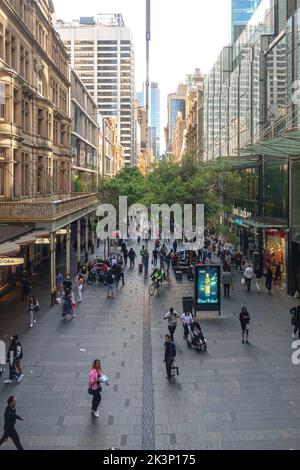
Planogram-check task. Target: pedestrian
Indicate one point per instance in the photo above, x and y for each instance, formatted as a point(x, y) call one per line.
point(146, 260)
point(259, 275)
point(154, 257)
point(125, 255)
point(168, 262)
point(175, 246)
point(269, 280)
point(227, 282)
point(67, 310)
point(295, 312)
point(59, 283)
point(95, 388)
point(162, 257)
point(172, 316)
point(110, 284)
point(248, 275)
point(238, 261)
point(14, 357)
point(278, 273)
point(79, 285)
point(131, 256)
point(10, 418)
point(245, 320)
point(170, 354)
point(33, 310)
point(26, 286)
point(187, 319)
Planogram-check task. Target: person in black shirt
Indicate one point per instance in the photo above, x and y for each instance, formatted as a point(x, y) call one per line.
point(245, 320)
point(170, 353)
point(296, 320)
point(10, 417)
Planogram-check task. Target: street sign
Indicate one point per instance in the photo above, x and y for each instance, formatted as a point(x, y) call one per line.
point(11, 261)
point(42, 241)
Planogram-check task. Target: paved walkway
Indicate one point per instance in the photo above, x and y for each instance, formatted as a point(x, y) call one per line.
point(235, 396)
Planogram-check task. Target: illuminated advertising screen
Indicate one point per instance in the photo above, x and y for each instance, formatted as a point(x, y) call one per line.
point(207, 288)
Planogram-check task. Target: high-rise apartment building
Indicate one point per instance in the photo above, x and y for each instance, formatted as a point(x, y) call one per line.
point(101, 52)
point(241, 12)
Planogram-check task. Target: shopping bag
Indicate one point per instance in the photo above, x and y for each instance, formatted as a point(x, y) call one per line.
point(243, 282)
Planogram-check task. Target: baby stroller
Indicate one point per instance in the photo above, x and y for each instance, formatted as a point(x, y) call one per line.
point(195, 338)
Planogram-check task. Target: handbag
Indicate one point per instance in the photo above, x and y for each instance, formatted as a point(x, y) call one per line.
point(90, 391)
point(293, 320)
point(243, 281)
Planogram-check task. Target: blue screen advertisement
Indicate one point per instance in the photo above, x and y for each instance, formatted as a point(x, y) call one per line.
point(207, 287)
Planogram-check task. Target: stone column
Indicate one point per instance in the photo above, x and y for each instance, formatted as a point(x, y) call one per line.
point(78, 245)
point(53, 268)
point(68, 251)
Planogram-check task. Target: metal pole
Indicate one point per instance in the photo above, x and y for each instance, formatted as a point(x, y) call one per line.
point(86, 238)
point(93, 232)
point(53, 272)
point(68, 251)
point(148, 39)
point(78, 245)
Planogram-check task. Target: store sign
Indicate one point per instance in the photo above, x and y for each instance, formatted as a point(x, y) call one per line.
point(63, 231)
point(11, 261)
point(207, 288)
point(42, 241)
point(241, 213)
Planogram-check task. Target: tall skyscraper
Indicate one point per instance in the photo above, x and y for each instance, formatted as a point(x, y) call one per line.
point(241, 12)
point(101, 52)
point(154, 116)
point(176, 104)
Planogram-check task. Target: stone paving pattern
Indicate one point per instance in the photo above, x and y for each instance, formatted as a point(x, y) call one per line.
point(233, 397)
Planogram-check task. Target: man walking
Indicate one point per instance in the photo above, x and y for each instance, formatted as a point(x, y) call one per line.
point(227, 282)
point(10, 418)
point(248, 274)
point(172, 316)
point(170, 354)
point(131, 256)
point(14, 357)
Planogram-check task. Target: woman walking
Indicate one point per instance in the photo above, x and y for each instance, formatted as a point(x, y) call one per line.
point(79, 284)
point(95, 388)
point(33, 309)
point(245, 320)
point(269, 280)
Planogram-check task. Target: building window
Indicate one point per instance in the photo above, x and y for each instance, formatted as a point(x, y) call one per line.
point(40, 175)
point(40, 87)
point(40, 122)
point(25, 174)
point(63, 134)
point(16, 116)
point(55, 132)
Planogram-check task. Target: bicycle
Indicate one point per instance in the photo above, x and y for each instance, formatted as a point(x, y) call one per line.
point(155, 285)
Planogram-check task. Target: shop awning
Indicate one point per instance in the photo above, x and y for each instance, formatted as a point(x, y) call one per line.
point(260, 222)
point(285, 146)
point(12, 231)
point(24, 241)
point(9, 249)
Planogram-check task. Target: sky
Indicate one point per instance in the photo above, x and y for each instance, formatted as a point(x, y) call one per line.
point(185, 35)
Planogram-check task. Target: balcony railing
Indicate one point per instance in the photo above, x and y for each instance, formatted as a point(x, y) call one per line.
point(46, 209)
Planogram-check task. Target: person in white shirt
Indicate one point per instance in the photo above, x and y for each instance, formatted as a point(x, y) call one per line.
point(248, 275)
point(187, 320)
point(172, 316)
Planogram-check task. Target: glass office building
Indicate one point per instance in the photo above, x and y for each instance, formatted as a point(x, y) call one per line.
point(241, 12)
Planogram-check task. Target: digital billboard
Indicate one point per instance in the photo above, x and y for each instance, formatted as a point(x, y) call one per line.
point(207, 288)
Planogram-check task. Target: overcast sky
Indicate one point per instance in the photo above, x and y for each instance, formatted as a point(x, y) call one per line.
point(185, 35)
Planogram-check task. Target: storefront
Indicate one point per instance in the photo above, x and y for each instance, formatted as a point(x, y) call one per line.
point(275, 252)
point(9, 265)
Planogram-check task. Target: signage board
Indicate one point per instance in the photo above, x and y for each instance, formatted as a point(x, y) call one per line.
point(208, 287)
point(42, 241)
point(11, 261)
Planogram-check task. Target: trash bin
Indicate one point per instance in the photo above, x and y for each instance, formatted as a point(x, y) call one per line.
point(188, 304)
